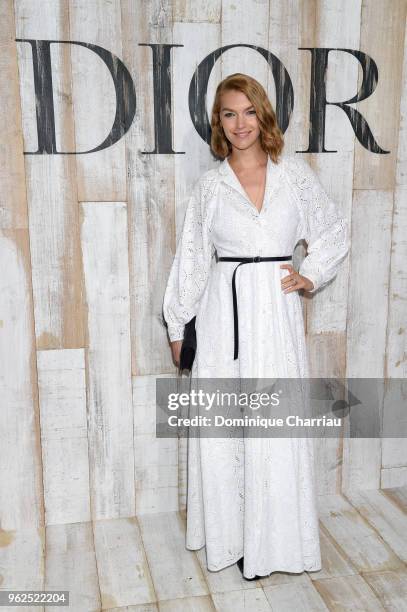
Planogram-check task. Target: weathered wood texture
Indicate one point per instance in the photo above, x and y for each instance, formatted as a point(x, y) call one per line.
point(140, 564)
point(87, 241)
point(21, 486)
point(51, 185)
point(109, 392)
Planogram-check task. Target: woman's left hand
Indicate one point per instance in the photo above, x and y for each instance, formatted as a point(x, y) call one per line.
point(295, 281)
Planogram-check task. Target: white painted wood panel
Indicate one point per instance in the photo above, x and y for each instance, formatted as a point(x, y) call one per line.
point(378, 22)
point(188, 604)
point(336, 24)
point(367, 320)
point(150, 189)
point(333, 24)
point(156, 462)
point(198, 41)
point(155, 459)
point(390, 588)
point(13, 204)
point(251, 20)
point(175, 570)
point(242, 601)
point(101, 175)
point(285, 30)
point(334, 560)
point(326, 356)
point(64, 435)
point(387, 519)
point(51, 184)
point(140, 608)
point(124, 574)
point(401, 164)
point(110, 421)
point(22, 559)
point(284, 597)
point(350, 593)
point(205, 11)
point(393, 477)
point(70, 565)
point(22, 503)
point(355, 537)
point(394, 452)
point(143, 388)
point(399, 496)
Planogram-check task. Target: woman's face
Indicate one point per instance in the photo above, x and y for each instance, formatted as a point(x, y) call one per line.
point(239, 120)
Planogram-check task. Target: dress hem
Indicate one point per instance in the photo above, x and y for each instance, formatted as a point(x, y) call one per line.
point(212, 568)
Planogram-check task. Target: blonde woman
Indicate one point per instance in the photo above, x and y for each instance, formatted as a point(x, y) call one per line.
point(251, 501)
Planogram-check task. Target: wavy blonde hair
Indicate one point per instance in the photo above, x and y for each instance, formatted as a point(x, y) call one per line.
point(271, 137)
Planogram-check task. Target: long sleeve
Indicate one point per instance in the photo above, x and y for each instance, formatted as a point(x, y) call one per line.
point(324, 229)
point(190, 269)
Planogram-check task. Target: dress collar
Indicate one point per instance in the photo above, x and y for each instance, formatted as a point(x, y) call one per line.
point(274, 171)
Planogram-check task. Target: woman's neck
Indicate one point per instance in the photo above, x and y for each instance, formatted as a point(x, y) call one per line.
point(248, 158)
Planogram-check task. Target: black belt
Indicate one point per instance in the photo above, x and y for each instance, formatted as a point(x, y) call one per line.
point(244, 260)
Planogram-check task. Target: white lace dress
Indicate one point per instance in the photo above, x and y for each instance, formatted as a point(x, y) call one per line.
point(252, 497)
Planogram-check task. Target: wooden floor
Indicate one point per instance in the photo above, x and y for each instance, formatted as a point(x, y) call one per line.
point(141, 564)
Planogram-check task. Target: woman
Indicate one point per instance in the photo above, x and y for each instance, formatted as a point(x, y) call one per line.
point(252, 500)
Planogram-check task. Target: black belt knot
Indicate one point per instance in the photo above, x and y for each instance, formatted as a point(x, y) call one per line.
point(244, 260)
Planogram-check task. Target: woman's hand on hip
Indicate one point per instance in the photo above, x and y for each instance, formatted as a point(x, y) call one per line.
point(295, 281)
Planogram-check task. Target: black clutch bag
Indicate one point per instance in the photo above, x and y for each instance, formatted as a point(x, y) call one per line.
point(188, 347)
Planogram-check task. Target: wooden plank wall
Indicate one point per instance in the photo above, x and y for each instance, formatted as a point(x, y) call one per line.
point(87, 241)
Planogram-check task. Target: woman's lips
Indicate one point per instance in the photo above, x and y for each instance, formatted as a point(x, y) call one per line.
point(242, 135)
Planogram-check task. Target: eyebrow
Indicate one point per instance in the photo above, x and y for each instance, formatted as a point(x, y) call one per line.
point(231, 109)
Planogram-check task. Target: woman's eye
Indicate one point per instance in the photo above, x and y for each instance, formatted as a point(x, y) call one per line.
point(251, 112)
